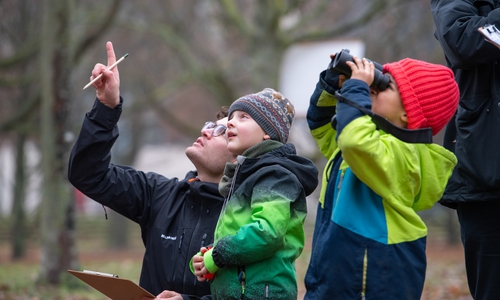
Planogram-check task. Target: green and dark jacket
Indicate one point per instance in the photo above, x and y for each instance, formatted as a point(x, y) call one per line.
point(369, 241)
point(260, 232)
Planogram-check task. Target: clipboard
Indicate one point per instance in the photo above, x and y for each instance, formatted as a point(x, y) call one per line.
point(491, 34)
point(110, 285)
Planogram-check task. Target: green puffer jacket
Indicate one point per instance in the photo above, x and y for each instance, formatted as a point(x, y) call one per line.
point(260, 233)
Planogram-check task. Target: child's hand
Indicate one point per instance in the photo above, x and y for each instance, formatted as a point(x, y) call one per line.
point(362, 69)
point(199, 266)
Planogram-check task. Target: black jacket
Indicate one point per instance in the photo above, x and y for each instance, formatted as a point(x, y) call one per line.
point(177, 217)
point(474, 134)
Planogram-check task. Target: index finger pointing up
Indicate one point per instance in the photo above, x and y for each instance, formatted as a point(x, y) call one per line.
point(111, 53)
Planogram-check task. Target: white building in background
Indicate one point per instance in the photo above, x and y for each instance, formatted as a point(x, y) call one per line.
point(302, 64)
point(7, 177)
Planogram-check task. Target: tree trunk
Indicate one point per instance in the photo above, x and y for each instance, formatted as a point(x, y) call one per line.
point(57, 210)
point(18, 224)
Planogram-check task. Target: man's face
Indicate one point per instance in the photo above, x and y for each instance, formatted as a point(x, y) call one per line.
point(209, 153)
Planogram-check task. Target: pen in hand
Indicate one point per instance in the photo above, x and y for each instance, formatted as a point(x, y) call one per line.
point(110, 67)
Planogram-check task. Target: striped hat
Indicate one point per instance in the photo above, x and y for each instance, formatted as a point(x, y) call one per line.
point(270, 109)
point(428, 91)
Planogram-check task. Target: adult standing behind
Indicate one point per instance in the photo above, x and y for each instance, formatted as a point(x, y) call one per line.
point(176, 216)
point(474, 189)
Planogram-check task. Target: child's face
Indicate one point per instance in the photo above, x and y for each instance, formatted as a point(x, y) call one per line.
point(388, 104)
point(243, 132)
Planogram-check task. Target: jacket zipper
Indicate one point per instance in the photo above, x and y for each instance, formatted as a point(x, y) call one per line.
point(203, 238)
point(242, 280)
point(180, 240)
point(339, 186)
point(194, 232)
point(365, 269)
point(221, 217)
point(341, 180)
point(229, 194)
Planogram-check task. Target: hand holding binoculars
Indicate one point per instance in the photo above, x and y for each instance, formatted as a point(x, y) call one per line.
point(338, 63)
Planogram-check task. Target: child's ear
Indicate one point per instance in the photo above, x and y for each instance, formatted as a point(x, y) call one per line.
point(266, 137)
point(404, 118)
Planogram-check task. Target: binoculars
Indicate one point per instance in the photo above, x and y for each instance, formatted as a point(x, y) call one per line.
point(338, 63)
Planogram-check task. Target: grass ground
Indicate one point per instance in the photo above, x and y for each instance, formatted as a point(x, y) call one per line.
point(445, 279)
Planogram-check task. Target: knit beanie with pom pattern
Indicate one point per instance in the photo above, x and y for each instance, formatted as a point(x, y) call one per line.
point(270, 109)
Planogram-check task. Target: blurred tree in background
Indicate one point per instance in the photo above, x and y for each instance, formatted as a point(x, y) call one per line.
point(187, 58)
point(40, 50)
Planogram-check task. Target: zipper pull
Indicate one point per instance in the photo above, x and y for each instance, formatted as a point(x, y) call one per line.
point(180, 240)
point(241, 278)
point(203, 240)
point(341, 179)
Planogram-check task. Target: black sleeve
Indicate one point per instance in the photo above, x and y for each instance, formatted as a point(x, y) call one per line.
point(191, 297)
point(457, 24)
point(121, 188)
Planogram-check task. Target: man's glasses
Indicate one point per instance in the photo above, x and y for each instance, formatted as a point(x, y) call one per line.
point(218, 129)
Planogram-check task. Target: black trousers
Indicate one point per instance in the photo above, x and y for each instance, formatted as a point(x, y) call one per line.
point(480, 230)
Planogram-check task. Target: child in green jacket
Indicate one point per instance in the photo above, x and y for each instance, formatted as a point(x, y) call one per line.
point(260, 233)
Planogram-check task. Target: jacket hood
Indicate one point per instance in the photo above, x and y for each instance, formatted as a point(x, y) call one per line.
point(305, 170)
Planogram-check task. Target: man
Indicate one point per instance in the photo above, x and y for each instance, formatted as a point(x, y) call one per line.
point(177, 217)
point(474, 188)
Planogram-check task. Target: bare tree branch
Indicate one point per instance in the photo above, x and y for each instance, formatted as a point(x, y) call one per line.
point(27, 51)
point(22, 116)
point(93, 36)
point(232, 16)
point(375, 9)
point(7, 82)
point(178, 44)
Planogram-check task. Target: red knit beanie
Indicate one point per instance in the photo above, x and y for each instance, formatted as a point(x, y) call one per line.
point(428, 91)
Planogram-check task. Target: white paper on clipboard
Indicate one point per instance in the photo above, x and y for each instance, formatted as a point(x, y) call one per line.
point(491, 34)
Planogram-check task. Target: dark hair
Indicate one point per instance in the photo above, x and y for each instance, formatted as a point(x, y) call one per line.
point(222, 113)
